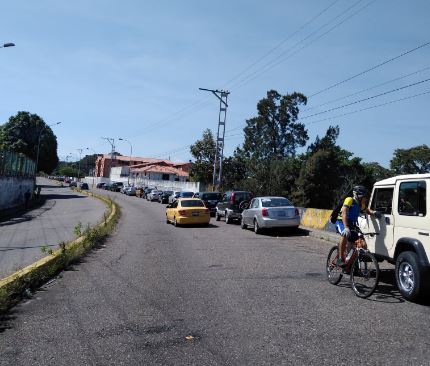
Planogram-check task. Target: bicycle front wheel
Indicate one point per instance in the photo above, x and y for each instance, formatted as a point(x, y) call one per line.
point(333, 271)
point(364, 274)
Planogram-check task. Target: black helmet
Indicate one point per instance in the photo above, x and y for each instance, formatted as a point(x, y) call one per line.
point(359, 191)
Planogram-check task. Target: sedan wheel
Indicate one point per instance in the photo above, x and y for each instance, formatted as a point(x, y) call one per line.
point(242, 224)
point(227, 218)
point(175, 223)
point(257, 229)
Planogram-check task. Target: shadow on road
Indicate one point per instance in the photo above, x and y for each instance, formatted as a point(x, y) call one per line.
point(7, 249)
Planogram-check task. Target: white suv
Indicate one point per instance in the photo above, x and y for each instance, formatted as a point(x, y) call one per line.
point(403, 231)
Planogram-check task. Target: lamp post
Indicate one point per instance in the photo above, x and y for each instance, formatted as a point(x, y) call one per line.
point(112, 144)
point(129, 160)
point(10, 44)
point(79, 164)
point(38, 142)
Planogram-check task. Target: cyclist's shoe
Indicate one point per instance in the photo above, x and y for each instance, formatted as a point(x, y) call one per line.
point(340, 262)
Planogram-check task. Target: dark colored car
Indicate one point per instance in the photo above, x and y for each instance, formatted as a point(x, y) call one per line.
point(107, 186)
point(83, 186)
point(164, 197)
point(73, 184)
point(231, 205)
point(186, 195)
point(116, 186)
point(210, 199)
point(146, 191)
point(100, 185)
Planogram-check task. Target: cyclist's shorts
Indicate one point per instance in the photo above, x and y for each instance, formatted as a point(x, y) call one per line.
point(340, 227)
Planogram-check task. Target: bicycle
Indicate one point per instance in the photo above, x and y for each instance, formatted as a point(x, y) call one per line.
point(361, 265)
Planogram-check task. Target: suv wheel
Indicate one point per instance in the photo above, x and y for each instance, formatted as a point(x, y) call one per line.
point(409, 276)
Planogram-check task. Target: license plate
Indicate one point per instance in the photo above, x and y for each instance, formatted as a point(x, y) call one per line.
point(195, 214)
point(281, 214)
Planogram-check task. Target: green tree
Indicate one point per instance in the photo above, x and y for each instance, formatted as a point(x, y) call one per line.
point(275, 132)
point(415, 160)
point(203, 152)
point(234, 170)
point(68, 171)
point(21, 134)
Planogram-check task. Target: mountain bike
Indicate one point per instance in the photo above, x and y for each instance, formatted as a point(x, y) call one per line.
point(360, 264)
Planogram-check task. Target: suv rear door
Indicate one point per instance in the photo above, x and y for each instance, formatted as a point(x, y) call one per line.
point(382, 201)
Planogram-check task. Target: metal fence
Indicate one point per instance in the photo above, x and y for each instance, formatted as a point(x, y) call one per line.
point(13, 164)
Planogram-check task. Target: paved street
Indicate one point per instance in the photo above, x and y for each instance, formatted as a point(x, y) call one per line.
point(159, 295)
point(23, 236)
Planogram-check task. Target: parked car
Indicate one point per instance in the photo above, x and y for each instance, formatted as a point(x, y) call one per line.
point(124, 187)
point(107, 186)
point(73, 184)
point(83, 185)
point(174, 197)
point(100, 185)
point(164, 197)
point(116, 186)
point(146, 191)
point(130, 191)
point(153, 195)
point(403, 231)
point(230, 206)
point(270, 212)
point(210, 199)
point(187, 211)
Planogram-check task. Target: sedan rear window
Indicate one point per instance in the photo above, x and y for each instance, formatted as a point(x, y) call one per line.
point(192, 203)
point(275, 202)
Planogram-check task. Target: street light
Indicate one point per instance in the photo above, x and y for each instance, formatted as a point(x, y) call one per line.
point(38, 143)
point(129, 161)
point(79, 164)
point(10, 44)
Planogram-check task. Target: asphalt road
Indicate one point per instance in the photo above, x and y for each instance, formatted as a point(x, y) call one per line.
point(23, 236)
point(159, 295)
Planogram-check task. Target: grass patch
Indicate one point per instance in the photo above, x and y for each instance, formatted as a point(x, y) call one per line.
point(20, 284)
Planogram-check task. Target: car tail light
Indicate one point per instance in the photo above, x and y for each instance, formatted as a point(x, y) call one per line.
point(297, 212)
point(232, 197)
point(264, 212)
point(182, 212)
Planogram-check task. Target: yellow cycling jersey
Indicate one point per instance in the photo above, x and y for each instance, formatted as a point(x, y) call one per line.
point(353, 209)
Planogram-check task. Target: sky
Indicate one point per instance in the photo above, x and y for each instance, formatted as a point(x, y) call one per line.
point(132, 69)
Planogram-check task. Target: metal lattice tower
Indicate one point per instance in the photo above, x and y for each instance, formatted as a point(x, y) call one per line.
point(222, 95)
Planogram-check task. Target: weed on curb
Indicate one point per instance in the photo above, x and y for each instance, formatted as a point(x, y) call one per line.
point(22, 284)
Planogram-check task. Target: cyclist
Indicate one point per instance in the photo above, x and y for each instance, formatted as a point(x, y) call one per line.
point(348, 217)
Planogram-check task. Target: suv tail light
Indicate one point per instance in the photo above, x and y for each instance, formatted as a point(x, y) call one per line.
point(232, 197)
point(182, 212)
point(264, 212)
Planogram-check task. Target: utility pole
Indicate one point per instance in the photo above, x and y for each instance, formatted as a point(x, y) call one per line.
point(79, 164)
point(222, 96)
point(112, 154)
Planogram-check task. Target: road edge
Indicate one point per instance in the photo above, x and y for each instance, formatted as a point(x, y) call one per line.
point(19, 285)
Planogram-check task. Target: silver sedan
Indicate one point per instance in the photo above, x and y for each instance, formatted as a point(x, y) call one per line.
point(270, 212)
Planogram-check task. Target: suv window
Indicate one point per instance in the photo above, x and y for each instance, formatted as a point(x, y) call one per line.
point(382, 200)
point(412, 199)
point(241, 196)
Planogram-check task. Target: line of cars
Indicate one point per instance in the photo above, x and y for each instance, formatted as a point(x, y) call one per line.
point(258, 213)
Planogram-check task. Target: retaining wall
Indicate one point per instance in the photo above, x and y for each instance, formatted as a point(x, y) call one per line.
point(317, 219)
point(12, 190)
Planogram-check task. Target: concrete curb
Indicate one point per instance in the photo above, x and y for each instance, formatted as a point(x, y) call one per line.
point(327, 236)
point(13, 287)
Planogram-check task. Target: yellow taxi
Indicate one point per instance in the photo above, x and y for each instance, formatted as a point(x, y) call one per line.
point(187, 211)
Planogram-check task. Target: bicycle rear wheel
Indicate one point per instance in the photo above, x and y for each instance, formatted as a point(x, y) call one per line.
point(333, 271)
point(364, 274)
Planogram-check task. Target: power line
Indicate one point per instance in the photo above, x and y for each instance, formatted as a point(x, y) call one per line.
point(273, 63)
point(371, 107)
point(370, 69)
point(367, 89)
point(282, 42)
point(365, 99)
